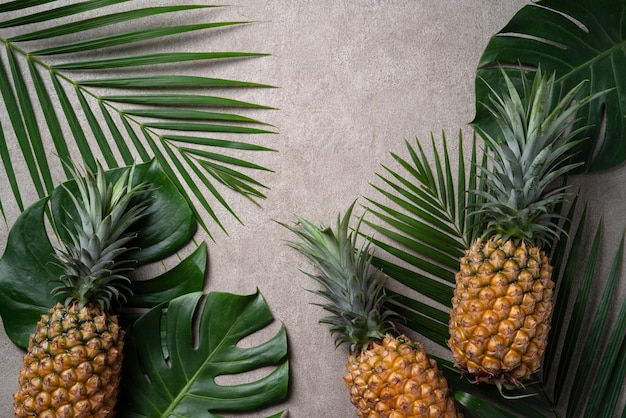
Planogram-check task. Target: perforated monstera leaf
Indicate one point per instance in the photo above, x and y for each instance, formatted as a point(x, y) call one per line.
point(578, 40)
point(28, 264)
point(175, 352)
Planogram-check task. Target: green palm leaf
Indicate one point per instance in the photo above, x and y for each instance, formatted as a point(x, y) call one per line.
point(66, 88)
point(578, 40)
point(425, 228)
point(422, 191)
point(599, 339)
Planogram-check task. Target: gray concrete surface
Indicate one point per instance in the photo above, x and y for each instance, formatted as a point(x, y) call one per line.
point(356, 79)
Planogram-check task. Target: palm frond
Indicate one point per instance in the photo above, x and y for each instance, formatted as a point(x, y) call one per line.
point(413, 210)
point(422, 219)
point(597, 367)
point(77, 83)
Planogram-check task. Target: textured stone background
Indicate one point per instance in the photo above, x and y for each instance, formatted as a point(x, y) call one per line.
point(356, 79)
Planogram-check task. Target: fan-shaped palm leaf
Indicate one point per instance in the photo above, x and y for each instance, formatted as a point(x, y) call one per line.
point(75, 80)
point(578, 40)
point(427, 216)
point(420, 226)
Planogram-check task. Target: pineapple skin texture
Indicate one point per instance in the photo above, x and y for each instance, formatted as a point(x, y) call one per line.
point(501, 311)
point(395, 378)
point(72, 366)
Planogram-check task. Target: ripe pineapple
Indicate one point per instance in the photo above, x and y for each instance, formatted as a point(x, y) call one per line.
point(74, 358)
point(502, 304)
point(388, 376)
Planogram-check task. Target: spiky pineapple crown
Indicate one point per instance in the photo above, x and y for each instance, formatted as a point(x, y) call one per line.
point(531, 153)
point(353, 290)
point(98, 236)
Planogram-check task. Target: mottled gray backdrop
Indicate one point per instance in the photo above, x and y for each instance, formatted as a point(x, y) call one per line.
point(356, 79)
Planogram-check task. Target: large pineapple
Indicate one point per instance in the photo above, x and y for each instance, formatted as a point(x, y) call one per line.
point(388, 376)
point(502, 304)
point(74, 358)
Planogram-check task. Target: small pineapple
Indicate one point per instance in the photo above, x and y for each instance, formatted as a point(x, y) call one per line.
point(502, 304)
point(74, 357)
point(388, 376)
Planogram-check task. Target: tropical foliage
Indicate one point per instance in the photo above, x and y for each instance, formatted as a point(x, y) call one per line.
point(186, 338)
point(173, 373)
point(76, 85)
point(79, 87)
point(578, 40)
point(421, 228)
point(28, 266)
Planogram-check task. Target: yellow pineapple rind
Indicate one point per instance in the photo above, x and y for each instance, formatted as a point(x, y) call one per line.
point(72, 366)
point(395, 378)
point(501, 311)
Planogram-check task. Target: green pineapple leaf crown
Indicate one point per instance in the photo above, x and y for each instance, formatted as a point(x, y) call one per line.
point(529, 158)
point(93, 272)
point(353, 289)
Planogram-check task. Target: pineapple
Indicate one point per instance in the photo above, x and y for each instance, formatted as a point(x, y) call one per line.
point(74, 357)
point(502, 303)
point(387, 375)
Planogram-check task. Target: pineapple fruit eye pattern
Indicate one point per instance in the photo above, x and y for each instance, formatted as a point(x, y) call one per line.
point(502, 304)
point(388, 375)
point(73, 363)
point(395, 377)
point(502, 310)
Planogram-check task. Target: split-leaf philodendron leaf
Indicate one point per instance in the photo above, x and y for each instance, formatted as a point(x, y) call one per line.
point(175, 352)
point(28, 265)
point(577, 40)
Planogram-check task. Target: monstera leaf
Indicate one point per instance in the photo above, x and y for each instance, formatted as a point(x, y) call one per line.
point(167, 226)
point(577, 40)
point(28, 264)
point(111, 80)
point(421, 226)
point(175, 353)
point(179, 340)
